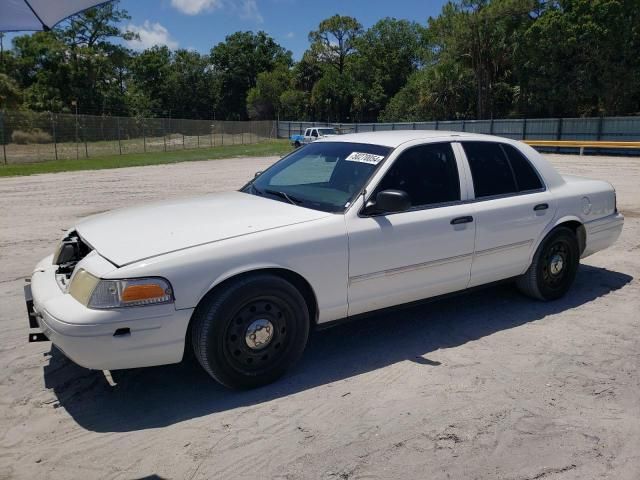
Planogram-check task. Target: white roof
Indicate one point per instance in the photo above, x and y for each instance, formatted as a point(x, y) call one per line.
point(394, 138)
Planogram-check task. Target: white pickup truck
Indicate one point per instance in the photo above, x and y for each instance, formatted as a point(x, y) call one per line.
point(312, 134)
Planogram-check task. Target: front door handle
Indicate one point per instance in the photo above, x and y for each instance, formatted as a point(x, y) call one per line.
point(461, 220)
point(541, 206)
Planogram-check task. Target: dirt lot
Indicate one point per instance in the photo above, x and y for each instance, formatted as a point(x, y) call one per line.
point(488, 385)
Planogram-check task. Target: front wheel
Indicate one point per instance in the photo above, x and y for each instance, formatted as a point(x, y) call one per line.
point(554, 266)
point(251, 331)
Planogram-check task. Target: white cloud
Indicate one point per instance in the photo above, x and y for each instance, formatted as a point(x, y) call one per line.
point(246, 9)
point(249, 11)
point(150, 34)
point(290, 35)
point(194, 7)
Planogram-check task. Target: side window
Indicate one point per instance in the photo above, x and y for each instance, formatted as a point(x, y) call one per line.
point(427, 173)
point(307, 132)
point(314, 133)
point(490, 169)
point(526, 176)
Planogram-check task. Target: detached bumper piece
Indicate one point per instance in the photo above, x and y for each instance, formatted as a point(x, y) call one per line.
point(32, 316)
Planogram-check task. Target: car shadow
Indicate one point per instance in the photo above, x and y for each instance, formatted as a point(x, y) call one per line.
point(159, 396)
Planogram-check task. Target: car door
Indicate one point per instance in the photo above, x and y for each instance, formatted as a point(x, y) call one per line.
point(511, 209)
point(425, 251)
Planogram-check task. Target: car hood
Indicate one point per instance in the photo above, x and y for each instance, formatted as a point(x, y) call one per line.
point(132, 234)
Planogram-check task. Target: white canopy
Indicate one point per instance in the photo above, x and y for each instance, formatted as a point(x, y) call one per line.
point(19, 15)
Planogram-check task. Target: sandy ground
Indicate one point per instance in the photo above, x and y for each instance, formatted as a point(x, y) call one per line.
point(488, 385)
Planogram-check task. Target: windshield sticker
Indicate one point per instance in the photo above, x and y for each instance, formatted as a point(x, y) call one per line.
point(361, 157)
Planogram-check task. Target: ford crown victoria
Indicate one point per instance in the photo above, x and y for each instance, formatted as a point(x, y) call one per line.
point(343, 226)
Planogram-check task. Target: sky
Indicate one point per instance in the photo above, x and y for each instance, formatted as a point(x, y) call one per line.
point(201, 24)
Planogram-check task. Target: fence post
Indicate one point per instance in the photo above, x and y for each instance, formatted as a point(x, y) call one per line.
point(600, 128)
point(289, 129)
point(413, 126)
point(559, 132)
point(144, 137)
point(524, 129)
point(84, 136)
point(491, 126)
point(464, 125)
point(2, 138)
point(437, 124)
point(164, 134)
point(53, 132)
point(118, 128)
point(357, 124)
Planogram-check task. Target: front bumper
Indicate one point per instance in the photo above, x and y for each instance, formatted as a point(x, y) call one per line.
point(155, 335)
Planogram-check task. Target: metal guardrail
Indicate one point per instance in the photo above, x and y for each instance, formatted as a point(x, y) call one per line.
point(583, 144)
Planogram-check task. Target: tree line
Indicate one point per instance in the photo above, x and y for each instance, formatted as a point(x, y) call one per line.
point(477, 59)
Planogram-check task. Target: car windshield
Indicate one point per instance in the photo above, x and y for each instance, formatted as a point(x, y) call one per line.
point(322, 175)
point(327, 131)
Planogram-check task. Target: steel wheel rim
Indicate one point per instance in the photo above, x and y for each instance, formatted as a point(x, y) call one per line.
point(250, 355)
point(556, 264)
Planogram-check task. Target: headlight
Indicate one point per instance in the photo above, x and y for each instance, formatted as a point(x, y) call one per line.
point(101, 294)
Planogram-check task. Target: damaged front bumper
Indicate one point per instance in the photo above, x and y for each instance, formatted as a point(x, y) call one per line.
point(103, 339)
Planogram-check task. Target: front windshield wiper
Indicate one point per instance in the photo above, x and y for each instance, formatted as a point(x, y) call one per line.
point(290, 198)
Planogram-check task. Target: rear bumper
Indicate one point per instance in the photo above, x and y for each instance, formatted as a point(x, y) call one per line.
point(156, 333)
point(602, 233)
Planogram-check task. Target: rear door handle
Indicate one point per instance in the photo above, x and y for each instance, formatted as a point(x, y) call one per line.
point(460, 220)
point(541, 206)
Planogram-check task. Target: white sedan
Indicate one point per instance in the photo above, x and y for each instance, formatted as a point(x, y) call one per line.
point(338, 228)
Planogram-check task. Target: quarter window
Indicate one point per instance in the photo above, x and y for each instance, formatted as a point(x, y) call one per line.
point(427, 173)
point(526, 176)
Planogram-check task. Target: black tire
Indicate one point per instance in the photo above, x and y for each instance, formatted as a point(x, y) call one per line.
point(297, 144)
point(554, 266)
point(221, 332)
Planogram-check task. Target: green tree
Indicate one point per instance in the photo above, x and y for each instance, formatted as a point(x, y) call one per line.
point(263, 100)
point(9, 92)
point(580, 57)
point(236, 63)
point(335, 40)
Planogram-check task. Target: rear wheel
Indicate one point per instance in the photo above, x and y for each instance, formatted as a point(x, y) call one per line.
point(297, 144)
point(554, 266)
point(250, 332)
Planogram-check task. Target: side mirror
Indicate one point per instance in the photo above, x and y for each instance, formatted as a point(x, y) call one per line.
point(389, 201)
point(257, 174)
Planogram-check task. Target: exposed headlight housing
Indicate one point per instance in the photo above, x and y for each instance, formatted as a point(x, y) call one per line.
point(132, 292)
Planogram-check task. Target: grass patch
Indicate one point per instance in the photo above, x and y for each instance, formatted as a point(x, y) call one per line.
point(262, 149)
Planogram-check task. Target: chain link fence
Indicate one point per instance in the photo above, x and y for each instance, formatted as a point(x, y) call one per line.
point(27, 137)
